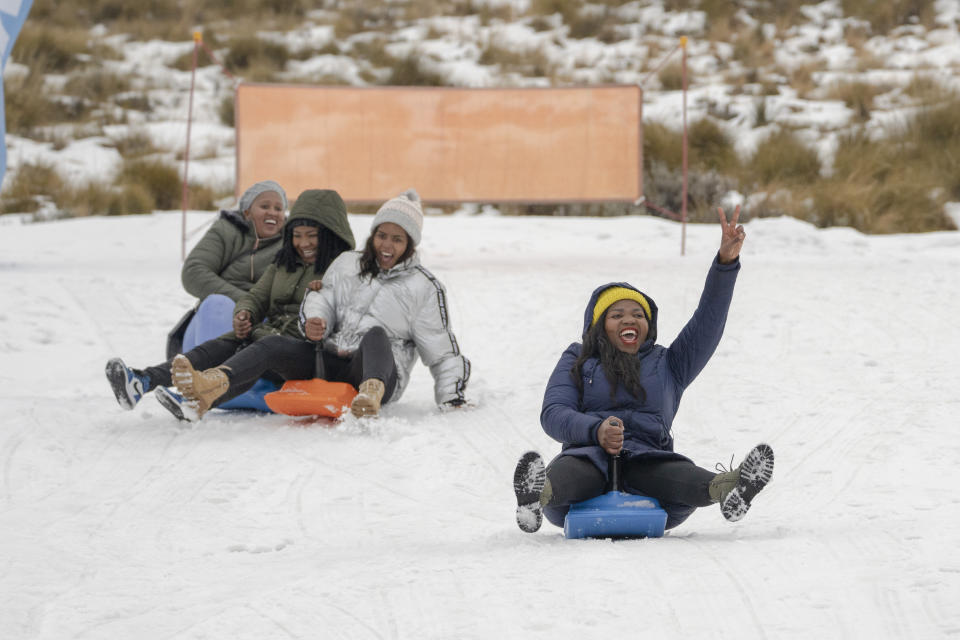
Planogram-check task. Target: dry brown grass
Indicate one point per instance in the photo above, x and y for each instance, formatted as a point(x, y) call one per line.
point(884, 15)
point(782, 158)
point(925, 89)
point(897, 183)
point(159, 179)
point(29, 185)
point(50, 49)
point(27, 106)
point(671, 77)
point(858, 96)
point(410, 71)
point(135, 144)
point(801, 78)
point(97, 85)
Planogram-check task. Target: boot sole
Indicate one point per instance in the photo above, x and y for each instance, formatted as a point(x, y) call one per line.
point(170, 404)
point(528, 480)
point(117, 377)
point(203, 395)
point(755, 473)
point(181, 371)
point(364, 409)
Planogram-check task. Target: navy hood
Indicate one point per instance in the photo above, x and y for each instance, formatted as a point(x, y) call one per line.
point(588, 312)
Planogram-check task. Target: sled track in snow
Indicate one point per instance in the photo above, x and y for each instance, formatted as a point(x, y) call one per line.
point(743, 593)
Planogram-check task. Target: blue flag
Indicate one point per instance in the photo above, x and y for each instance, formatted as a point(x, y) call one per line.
point(12, 15)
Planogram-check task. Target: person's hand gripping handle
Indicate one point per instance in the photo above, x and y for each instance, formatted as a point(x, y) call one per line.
point(610, 435)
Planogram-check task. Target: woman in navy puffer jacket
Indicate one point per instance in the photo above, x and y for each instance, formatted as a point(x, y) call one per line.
point(617, 394)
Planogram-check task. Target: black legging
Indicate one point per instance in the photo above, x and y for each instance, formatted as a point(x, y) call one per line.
point(203, 356)
point(295, 359)
point(288, 358)
point(672, 482)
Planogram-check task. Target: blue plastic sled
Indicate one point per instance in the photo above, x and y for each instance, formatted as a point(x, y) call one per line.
point(214, 317)
point(252, 398)
point(615, 515)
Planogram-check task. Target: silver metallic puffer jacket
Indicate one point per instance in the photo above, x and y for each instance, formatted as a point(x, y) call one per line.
point(408, 302)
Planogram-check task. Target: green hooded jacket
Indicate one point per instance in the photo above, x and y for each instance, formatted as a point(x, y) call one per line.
point(277, 295)
point(229, 258)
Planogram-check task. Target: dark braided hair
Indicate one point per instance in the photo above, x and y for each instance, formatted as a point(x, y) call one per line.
point(618, 366)
point(368, 259)
point(329, 246)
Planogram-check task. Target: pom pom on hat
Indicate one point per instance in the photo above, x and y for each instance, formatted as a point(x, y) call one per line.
point(404, 210)
point(246, 200)
point(613, 294)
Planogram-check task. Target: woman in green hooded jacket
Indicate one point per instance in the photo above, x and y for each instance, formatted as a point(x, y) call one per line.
point(316, 233)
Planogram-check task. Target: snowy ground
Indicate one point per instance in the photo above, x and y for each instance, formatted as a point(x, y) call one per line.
point(840, 351)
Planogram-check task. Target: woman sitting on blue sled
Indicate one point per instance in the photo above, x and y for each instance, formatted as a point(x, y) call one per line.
point(318, 231)
point(617, 393)
point(227, 261)
point(376, 311)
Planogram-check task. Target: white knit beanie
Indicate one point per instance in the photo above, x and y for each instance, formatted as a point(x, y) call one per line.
point(405, 211)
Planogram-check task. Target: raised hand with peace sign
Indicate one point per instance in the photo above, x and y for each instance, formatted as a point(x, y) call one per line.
point(733, 236)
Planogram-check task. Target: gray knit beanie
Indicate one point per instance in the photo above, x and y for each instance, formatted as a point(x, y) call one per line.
point(405, 211)
point(246, 200)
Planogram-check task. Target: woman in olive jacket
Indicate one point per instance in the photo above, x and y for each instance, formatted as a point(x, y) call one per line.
point(318, 231)
point(227, 261)
point(383, 309)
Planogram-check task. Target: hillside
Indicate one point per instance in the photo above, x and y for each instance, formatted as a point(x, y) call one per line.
point(842, 112)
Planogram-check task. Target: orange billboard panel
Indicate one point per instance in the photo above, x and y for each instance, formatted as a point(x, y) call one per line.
point(451, 145)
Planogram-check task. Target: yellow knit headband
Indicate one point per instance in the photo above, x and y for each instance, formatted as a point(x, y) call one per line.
point(611, 295)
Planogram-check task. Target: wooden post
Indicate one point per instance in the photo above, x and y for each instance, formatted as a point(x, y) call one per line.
point(683, 202)
point(197, 39)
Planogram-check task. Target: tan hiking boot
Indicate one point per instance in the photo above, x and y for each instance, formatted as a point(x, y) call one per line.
point(723, 483)
point(367, 401)
point(200, 388)
point(735, 489)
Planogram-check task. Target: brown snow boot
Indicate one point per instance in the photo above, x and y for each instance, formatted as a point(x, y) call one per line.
point(200, 388)
point(367, 401)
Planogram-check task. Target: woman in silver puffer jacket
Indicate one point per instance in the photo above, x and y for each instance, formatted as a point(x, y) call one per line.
point(379, 309)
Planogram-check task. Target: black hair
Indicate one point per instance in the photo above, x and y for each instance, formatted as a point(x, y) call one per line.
point(368, 259)
point(619, 367)
point(329, 246)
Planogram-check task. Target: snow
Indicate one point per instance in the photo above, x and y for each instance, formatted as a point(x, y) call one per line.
point(840, 351)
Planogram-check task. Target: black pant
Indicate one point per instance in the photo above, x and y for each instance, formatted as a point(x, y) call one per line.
point(288, 358)
point(679, 485)
point(203, 356)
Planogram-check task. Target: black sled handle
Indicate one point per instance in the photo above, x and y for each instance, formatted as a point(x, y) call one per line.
point(615, 465)
point(318, 369)
point(615, 473)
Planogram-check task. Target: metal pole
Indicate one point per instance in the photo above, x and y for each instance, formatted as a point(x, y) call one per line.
point(197, 39)
point(318, 368)
point(683, 202)
point(615, 473)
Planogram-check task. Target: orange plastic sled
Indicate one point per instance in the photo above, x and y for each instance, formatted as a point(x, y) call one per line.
point(311, 398)
point(317, 397)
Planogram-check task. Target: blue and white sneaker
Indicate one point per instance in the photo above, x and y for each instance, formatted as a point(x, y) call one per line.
point(128, 385)
point(176, 404)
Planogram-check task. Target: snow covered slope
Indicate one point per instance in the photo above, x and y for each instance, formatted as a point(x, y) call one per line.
point(840, 351)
